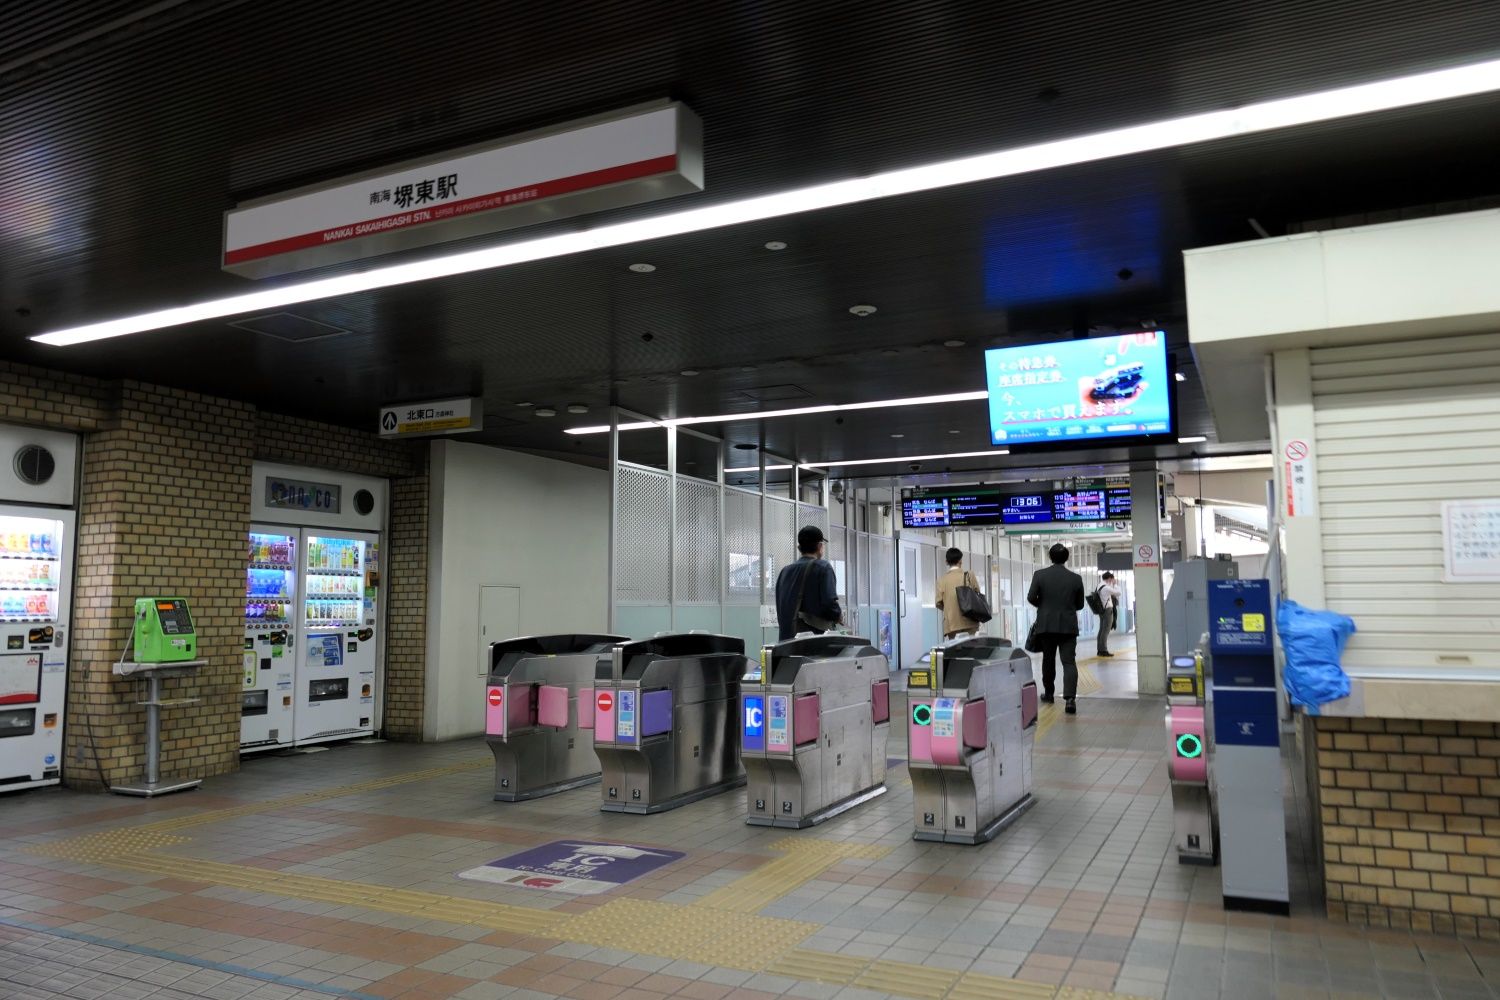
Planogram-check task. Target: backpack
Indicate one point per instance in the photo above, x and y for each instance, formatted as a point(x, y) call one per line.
point(1095, 603)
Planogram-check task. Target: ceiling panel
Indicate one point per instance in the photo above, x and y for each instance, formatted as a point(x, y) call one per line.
point(130, 128)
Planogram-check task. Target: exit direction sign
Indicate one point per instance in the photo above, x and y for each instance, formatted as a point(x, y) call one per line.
point(440, 416)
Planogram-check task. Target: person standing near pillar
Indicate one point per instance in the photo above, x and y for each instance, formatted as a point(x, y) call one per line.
point(1057, 594)
point(1109, 617)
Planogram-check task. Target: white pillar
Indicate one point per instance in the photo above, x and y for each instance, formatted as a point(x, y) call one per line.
point(1145, 529)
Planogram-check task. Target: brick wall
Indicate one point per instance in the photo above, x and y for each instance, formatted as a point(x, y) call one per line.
point(151, 526)
point(1411, 823)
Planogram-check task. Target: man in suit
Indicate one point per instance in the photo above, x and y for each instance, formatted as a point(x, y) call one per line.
point(954, 622)
point(1057, 594)
point(807, 598)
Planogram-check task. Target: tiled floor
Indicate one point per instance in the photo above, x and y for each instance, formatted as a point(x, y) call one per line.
point(337, 874)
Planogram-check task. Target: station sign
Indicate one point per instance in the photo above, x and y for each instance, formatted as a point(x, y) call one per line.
point(610, 161)
point(438, 416)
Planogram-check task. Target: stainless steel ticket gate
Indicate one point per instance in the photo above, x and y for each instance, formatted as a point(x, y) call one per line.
point(814, 719)
point(539, 708)
point(971, 725)
point(665, 721)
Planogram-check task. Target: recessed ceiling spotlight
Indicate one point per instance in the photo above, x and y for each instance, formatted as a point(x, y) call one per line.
point(689, 372)
point(898, 435)
point(953, 343)
point(747, 368)
point(776, 245)
point(890, 352)
point(862, 310)
point(545, 411)
point(577, 408)
point(955, 432)
point(524, 405)
point(1180, 377)
point(643, 268)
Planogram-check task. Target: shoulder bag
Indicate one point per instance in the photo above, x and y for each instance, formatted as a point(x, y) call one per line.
point(971, 603)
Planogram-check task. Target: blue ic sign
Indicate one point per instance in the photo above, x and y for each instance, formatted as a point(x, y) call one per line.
point(754, 722)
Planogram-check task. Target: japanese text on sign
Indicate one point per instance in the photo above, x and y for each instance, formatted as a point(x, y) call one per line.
point(1471, 541)
point(423, 191)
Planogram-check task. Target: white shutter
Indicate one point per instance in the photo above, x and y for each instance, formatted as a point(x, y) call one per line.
point(1402, 427)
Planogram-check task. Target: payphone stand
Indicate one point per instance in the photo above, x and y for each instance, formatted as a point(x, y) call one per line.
point(165, 642)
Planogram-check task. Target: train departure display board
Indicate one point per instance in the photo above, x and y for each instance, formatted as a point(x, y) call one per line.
point(981, 506)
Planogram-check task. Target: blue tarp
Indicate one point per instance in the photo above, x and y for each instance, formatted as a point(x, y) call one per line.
point(1313, 642)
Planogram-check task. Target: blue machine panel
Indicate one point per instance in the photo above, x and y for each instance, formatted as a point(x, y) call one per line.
point(1245, 718)
point(1239, 618)
point(753, 720)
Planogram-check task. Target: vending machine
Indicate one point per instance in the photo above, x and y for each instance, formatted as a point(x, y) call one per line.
point(38, 473)
point(313, 608)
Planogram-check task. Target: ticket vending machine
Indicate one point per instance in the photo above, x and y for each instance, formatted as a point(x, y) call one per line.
point(539, 712)
point(313, 636)
point(1188, 761)
point(1247, 747)
point(666, 721)
point(971, 725)
point(814, 719)
point(38, 473)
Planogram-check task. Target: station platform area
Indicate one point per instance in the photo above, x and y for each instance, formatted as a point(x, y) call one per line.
point(338, 874)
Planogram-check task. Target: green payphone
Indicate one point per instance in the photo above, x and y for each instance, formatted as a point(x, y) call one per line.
point(163, 630)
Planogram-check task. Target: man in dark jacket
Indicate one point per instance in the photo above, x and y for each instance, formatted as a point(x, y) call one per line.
point(1057, 594)
point(807, 597)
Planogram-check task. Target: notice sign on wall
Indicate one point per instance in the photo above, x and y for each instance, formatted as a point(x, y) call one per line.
point(1471, 541)
point(1299, 484)
point(574, 867)
point(593, 165)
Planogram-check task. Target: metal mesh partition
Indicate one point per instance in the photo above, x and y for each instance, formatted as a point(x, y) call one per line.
point(814, 514)
point(882, 571)
point(642, 569)
point(742, 546)
point(780, 537)
point(862, 574)
point(698, 542)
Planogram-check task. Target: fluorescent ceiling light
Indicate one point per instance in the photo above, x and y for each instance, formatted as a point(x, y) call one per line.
point(801, 411)
point(756, 468)
point(904, 458)
point(1328, 105)
point(1191, 440)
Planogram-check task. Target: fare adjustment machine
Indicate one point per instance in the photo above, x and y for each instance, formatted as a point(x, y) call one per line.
point(814, 720)
point(166, 645)
point(1247, 747)
point(971, 727)
point(1187, 761)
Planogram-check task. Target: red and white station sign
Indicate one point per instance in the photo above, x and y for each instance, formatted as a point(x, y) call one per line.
point(606, 701)
point(587, 166)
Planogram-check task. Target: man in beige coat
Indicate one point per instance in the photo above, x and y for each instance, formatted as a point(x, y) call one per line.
point(954, 621)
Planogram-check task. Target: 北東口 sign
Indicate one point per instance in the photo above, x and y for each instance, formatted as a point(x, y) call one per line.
point(441, 416)
point(592, 165)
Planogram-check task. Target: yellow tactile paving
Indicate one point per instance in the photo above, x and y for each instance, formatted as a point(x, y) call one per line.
point(1088, 683)
point(905, 979)
point(803, 859)
point(819, 966)
point(712, 937)
point(976, 986)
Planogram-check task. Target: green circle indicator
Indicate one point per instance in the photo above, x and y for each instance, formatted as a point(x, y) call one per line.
point(1189, 746)
point(921, 715)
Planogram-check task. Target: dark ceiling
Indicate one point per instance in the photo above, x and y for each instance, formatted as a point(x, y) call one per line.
point(128, 128)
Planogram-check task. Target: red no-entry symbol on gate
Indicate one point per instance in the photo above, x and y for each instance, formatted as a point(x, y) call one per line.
point(495, 697)
point(606, 701)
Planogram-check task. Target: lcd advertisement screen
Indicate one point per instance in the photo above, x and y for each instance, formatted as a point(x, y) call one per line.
point(1079, 392)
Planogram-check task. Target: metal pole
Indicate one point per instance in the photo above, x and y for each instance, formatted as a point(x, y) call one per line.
point(722, 559)
point(153, 728)
point(672, 530)
point(614, 506)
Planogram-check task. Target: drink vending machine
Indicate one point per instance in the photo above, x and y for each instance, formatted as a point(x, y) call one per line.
point(313, 639)
point(37, 520)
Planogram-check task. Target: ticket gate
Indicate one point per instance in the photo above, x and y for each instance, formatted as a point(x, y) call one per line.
point(665, 720)
point(814, 719)
point(971, 725)
point(1188, 761)
point(539, 710)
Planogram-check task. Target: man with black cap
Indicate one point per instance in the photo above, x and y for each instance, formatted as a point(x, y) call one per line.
point(807, 598)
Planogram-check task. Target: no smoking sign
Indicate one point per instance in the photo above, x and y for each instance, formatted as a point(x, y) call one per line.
point(1146, 556)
